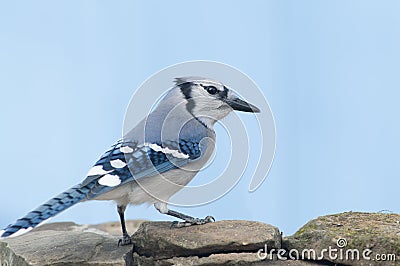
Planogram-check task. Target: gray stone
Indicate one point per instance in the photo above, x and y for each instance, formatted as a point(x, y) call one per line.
point(51, 247)
point(219, 243)
point(160, 241)
point(244, 258)
point(347, 232)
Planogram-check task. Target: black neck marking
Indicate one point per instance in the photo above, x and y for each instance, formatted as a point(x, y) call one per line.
point(201, 122)
point(186, 89)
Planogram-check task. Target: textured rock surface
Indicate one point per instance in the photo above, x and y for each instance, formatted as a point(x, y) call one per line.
point(66, 243)
point(159, 240)
point(219, 243)
point(230, 259)
point(348, 231)
point(213, 243)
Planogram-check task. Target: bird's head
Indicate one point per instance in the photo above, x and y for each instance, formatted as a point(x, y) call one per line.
point(209, 99)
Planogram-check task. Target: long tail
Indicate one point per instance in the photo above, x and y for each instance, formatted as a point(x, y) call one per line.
point(47, 210)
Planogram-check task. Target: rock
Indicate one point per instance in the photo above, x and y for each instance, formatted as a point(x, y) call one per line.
point(57, 247)
point(351, 233)
point(216, 243)
point(159, 240)
point(218, 259)
point(219, 243)
point(64, 243)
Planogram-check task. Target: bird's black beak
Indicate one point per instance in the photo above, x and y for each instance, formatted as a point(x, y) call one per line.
point(239, 105)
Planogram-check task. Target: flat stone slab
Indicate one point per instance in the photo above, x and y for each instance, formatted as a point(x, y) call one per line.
point(67, 243)
point(58, 247)
point(160, 241)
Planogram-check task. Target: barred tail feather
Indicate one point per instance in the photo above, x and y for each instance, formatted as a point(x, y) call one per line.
point(47, 210)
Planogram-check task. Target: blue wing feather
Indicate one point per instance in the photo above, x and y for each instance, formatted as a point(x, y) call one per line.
point(141, 162)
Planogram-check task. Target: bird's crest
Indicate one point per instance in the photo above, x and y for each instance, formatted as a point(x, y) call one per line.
point(194, 79)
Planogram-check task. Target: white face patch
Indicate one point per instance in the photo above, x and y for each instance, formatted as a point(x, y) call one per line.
point(126, 149)
point(97, 170)
point(206, 106)
point(110, 180)
point(174, 153)
point(118, 163)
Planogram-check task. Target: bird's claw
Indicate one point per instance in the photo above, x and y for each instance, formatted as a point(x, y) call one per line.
point(125, 240)
point(194, 221)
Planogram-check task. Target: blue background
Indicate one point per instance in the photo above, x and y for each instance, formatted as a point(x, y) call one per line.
point(329, 69)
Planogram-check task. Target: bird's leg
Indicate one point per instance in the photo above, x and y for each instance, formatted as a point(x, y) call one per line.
point(126, 239)
point(187, 220)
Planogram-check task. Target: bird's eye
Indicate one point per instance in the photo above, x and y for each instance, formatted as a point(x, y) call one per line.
point(212, 90)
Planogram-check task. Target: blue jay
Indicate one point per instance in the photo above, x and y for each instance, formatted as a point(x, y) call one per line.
point(155, 159)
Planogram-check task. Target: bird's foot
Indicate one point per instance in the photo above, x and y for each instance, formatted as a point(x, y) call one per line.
point(125, 240)
point(193, 221)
